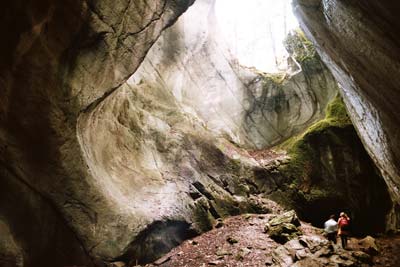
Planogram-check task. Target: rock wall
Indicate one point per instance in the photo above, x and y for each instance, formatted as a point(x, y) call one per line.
point(359, 42)
point(159, 167)
point(253, 109)
point(152, 144)
point(94, 169)
point(58, 59)
point(328, 172)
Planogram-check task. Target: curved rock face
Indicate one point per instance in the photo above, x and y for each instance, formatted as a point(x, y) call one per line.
point(253, 109)
point(328, 171)
point(151, 147)
point(58, 59)
point(359, 41)
point(126, 170)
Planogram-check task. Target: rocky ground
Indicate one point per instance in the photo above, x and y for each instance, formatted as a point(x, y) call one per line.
point(260, 240)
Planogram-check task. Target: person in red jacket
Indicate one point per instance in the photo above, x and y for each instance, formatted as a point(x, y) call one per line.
point(344, 223)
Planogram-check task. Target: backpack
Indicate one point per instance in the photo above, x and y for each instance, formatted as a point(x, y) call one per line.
point(344, 224)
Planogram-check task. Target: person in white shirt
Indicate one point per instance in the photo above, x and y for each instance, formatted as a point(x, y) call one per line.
point(331, 227)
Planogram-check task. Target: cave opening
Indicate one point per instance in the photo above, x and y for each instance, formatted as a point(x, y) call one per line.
point(259, 34)
point(129, 126)
point(205, 106)
point(255, 31)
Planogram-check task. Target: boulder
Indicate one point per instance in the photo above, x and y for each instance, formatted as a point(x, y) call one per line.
point(283, 227)
point(289, 217)
point(368, 245)
point(283, 232)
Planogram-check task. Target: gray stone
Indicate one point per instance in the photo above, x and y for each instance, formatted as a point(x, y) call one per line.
point(355, 41)
point(368, 245)
point(282, 257)
point(252, 109)
point(59, 61)
point(287, 217)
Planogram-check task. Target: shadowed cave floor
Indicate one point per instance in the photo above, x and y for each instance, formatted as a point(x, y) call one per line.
point(254, 247)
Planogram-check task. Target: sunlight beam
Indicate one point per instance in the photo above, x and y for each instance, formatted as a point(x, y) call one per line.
point(254, 31)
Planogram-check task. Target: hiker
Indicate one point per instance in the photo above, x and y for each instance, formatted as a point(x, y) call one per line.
point(344, 223)
point(331, 227)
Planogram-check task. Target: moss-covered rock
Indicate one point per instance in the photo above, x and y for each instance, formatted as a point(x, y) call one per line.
point(282, 233)
point(283, 227)
point(301, 48)
point(330, 171)
point(287, 217)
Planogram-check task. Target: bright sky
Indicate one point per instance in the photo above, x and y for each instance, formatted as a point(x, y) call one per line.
point(253, 29)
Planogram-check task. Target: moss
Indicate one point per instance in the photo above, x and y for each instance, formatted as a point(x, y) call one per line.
point(202, 216)
point(273, 78)
point(300, 47)
point(226, 206)
point(335, 116)
point(337, 113)
point(299, 147)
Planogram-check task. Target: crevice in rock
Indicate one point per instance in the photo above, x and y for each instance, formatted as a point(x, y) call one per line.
point(157, 239)
point(201, 188)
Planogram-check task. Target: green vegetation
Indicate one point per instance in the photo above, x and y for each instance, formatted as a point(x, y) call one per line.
point(300, 47)
point(274, 78)
point(300, 149)
point(302, 50)
point(335, 116)
point(202, 216)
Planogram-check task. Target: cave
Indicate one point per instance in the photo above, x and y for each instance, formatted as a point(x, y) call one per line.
point(128, 127)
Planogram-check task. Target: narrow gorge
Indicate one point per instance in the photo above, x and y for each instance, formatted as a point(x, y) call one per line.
point(131, 134)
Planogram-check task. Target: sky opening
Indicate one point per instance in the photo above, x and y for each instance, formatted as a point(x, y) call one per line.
point(255, 29)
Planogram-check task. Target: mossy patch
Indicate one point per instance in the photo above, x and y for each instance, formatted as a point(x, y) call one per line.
point(300, 47)
point(202, 216)
point(300, 149)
